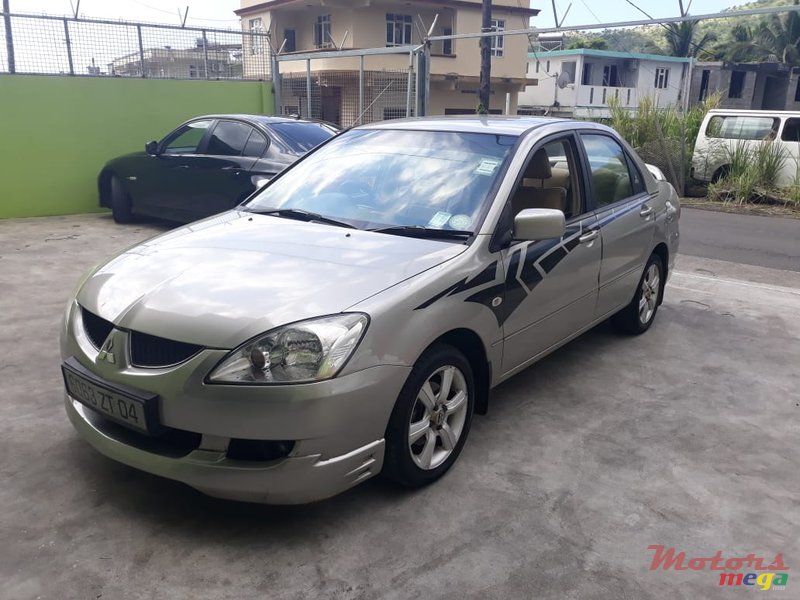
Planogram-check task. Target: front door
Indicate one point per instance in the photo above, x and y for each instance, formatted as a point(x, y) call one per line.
point(625, 216)
point(551, 285)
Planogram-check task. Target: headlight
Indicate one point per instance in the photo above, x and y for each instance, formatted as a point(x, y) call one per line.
point(311, 350)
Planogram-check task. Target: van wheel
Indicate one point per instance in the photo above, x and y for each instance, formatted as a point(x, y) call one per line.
point(431, 418)
point(120, 202)
point(637, 317)
point(720, 173)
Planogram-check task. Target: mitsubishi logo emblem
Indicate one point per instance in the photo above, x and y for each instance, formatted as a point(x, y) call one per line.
point(105, 352)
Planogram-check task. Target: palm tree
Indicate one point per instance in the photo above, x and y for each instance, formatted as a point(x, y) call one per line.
point(779, 37)
point(680, 39)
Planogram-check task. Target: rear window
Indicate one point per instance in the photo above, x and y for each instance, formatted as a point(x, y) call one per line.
point(302, 137)
point(742, 127)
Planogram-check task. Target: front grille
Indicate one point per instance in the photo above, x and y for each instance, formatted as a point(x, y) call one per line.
point(96, 328)
point(151, 351)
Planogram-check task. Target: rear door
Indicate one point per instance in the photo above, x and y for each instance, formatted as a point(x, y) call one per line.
point(625, 217)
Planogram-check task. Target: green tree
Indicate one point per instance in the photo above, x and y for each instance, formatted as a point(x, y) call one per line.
point(779, 37)
point(680, 38)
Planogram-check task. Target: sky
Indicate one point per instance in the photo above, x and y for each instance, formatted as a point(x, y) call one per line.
point(219, 13)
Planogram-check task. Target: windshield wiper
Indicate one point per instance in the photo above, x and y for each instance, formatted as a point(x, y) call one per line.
point(425, 232)
point(303, 215)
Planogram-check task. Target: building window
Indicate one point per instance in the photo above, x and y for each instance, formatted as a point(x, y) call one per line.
point(586, 78)
point(447, 45)
point(398, 29)
point(704, 79)
point(322, 32)
point(662, 78)
point(611, 76)
point(256, 39)
point(737, 84)
point(498, 42)
point(291, 40)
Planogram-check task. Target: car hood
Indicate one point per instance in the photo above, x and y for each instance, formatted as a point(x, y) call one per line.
point(221, 281)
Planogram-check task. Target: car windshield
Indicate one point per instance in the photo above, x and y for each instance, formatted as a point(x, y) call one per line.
point(379, 179)
point(302, 137)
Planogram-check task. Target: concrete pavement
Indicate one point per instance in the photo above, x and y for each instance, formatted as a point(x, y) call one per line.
point(685, 436)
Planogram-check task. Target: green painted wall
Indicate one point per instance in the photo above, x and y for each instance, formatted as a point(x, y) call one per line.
point(57, 132)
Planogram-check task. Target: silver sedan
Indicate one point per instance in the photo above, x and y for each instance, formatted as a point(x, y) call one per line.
point(352, 316)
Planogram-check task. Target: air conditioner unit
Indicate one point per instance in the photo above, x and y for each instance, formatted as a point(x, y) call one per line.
point(631, 64)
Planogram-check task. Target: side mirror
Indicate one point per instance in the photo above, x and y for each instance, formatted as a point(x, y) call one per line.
point(151, 148)
point(539, 224)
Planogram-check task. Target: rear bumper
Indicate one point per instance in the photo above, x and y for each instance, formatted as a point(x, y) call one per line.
point(290, 480)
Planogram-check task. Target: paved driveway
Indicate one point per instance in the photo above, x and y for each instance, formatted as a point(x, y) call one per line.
point(686, 437)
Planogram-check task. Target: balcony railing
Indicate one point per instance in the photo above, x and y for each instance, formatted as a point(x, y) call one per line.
point(598, 95)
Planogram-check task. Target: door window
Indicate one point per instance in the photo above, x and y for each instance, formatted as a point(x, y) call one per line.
point(228, 139)
point(611, 177)
point(791, 131)
point(550, 180)
point(186, 139)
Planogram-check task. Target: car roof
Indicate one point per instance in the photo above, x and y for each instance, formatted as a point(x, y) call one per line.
point(500, 125)
point(263, 119)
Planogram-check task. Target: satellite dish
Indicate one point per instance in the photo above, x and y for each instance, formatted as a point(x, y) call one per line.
point(563, 80)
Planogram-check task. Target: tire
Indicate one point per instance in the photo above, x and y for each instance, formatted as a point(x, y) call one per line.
point(638, 316)
point(440, 422)
point(120, 202)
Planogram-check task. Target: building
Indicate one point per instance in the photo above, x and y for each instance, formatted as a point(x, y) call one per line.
point(221, 62)
point(580, 83)
point(303, 26)
point(748, 86)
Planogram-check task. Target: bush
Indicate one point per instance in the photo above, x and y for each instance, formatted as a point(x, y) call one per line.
point(752, 175)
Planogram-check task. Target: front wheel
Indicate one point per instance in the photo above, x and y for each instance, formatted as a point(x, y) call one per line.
point(637, 317)
point(431, 419)
point(121, 208)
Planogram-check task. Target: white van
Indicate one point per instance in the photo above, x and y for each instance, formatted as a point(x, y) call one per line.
point(723, 130)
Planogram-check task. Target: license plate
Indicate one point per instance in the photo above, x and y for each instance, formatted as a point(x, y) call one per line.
point(126, 406)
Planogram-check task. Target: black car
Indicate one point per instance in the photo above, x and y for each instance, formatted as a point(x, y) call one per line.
point(207, 165)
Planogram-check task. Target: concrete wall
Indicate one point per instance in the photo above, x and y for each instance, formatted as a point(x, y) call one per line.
point(720, 81)
point(58, 131)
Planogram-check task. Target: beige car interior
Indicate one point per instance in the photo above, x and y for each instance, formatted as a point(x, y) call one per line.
point(548, 186)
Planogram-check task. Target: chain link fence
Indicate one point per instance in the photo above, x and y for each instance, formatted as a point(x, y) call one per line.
point(47, 45)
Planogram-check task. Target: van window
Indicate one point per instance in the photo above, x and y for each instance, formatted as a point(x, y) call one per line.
point(791, 131)
point(742, 127)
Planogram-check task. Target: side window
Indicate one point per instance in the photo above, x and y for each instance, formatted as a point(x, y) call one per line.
point(611, 178)
point(186, 139)
point(550, 180)
point(791, 130)
point(228, 139)
point(742, 127)
point(256, 144)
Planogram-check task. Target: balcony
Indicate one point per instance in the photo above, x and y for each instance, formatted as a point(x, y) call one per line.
point(599, 96)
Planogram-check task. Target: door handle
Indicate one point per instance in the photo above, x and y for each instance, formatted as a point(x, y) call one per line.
point(646, 211)
point(589, 237)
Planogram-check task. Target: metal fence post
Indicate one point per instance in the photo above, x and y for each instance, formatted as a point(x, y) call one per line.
point(308, 85)
point(141, 48)
point(205, 53)
point(409, 83)
point(69, 48)
point(12, 63)
point(361, 86)
point(276, 83)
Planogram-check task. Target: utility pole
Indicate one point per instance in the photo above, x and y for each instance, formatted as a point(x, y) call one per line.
point(12, 67)
point(484, 91)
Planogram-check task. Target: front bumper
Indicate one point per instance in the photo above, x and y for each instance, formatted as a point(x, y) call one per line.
point(291, 480)
point(335, 427)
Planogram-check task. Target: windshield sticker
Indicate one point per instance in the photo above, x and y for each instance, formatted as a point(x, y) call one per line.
point(460, 222)
point(487, 167)
point(439, 219)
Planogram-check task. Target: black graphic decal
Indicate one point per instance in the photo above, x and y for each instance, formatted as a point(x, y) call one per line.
point(530, 274)
point(486, 276)
point(549, 262)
